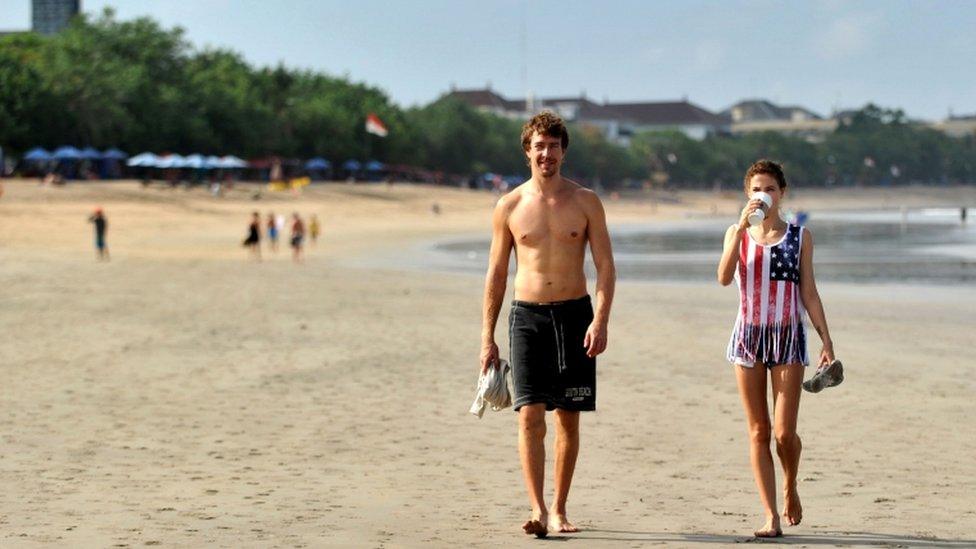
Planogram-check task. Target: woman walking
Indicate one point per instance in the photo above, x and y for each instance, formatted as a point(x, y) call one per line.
point(253, 240)
point(772, 261)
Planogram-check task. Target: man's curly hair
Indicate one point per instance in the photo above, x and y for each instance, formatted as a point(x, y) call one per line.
point(547, 124)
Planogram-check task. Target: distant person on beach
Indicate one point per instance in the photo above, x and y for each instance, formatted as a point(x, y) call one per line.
point(101, 226)
point(772, 262)
point(279, 223)
point(253, 240)
point(297, 238)
point(554, 333)
point(272, 232)
point(314, 228)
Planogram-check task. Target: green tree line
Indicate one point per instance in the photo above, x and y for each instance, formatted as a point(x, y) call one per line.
point(875, 146)
point(135, 85)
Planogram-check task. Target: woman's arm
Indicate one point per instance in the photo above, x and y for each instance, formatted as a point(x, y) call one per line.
point(730, 255)
point(811, 298)
point(730, 252)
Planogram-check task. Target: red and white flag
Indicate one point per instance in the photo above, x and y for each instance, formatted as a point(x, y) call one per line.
point(376, 126)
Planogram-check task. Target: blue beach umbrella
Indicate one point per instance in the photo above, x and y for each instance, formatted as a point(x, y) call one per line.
point(144, 160)
point(169, 161)
point(90, 153)
point(318, 163)
point(67, 152)
point(231, 161)
point(196, 161)
point(37, 154)
point(352, 165)
point(374, 166)
point(114, 154)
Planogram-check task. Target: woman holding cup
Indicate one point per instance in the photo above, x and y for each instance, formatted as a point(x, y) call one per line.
point(772, 261)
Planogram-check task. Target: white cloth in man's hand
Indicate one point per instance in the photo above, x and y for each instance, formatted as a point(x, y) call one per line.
point(493, 389)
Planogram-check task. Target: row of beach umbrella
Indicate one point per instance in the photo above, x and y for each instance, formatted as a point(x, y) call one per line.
point(194, 161)
point(198, 161)
point(39, 154)
point(355, 166)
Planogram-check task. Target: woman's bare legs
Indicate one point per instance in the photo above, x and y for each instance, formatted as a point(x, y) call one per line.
point(752, 390)
point(787, 380)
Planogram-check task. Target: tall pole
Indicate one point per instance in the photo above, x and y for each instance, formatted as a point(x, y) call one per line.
point(524, 52)
point(366, 144)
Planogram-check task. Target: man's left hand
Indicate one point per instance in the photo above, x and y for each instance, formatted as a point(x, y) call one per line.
point(595, 340)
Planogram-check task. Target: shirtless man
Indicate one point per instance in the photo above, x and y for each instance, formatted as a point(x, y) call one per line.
point(554, 333)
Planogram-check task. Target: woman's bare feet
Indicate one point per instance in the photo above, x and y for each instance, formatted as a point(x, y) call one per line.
point(537, 525)
point(792, 510)
point(769, 530)
point(560, 523)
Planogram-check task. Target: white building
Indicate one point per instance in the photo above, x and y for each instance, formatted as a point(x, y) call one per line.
point(617, 121)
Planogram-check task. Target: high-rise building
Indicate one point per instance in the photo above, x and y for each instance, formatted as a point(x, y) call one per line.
point(53, 16)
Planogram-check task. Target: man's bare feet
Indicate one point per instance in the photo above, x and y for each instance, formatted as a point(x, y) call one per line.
point(769, 530)
point(537, 525)
point(559, 523)
point(792, 510)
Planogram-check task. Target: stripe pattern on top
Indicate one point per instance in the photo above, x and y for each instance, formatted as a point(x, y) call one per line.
point(769, 324)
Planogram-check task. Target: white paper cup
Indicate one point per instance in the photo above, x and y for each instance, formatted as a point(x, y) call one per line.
point(757, 217)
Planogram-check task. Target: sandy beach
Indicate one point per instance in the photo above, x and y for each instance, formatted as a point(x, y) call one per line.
point(183, 396)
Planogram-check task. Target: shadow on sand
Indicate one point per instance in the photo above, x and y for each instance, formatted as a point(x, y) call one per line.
point(849, 539)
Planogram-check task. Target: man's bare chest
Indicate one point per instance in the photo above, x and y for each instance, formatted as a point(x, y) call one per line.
point(538, 223)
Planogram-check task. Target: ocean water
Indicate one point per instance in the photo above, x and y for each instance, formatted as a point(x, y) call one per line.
point(924, 246)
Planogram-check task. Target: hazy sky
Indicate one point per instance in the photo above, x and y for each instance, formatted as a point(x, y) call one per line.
point(920, 56)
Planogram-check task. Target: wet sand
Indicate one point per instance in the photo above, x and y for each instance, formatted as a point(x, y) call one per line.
point(183, 396)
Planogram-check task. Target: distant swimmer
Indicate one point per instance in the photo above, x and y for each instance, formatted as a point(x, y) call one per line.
point(772, 263)
point(253, 240)
point(101, 227)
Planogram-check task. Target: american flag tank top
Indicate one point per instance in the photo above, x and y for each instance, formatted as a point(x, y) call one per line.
point(769, 325)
